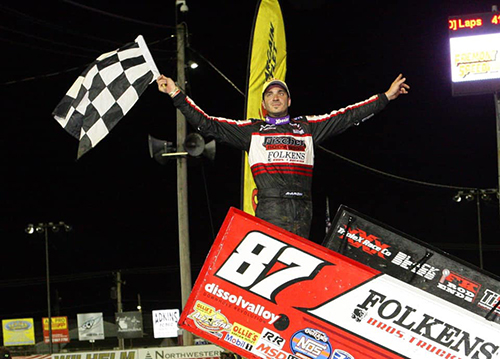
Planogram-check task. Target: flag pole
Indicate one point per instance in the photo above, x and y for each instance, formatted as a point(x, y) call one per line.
point(182, 194)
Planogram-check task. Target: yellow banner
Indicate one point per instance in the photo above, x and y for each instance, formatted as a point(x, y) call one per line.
point(58, 323)
point(18, 332)
point(267, 60)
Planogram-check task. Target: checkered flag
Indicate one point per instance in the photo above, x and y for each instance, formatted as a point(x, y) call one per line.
point(105, 92)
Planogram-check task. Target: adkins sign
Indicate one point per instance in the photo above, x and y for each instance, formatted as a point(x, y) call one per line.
point(266, 293)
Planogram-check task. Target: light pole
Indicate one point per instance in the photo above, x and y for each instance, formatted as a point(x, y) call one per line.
point(39, 228)
point(478, 194)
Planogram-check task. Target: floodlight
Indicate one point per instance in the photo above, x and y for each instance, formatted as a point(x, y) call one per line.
point(30, 229)
point(182, 3)
point(458, 197)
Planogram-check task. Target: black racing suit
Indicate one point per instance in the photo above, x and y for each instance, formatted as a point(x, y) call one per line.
point(281, 157)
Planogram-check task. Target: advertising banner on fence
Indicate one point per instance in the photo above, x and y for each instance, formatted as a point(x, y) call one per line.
point(178, 352)
point(188, 352)
point(90, 326)
point(101, 354)
point(129, 325)
point(18, 332)
point(266, 293)
point(60, 331)
point(165, 323)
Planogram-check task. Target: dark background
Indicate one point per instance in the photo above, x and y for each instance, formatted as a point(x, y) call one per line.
point(122, 204)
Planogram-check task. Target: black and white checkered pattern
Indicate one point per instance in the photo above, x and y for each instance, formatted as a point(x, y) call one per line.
point(105, 92)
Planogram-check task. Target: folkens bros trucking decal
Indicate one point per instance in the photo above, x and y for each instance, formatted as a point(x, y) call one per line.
point(266, 293)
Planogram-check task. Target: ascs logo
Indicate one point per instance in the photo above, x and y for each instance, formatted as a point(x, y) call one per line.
point(311, 344)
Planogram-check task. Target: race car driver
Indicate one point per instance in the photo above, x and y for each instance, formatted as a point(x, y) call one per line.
point(281, 148)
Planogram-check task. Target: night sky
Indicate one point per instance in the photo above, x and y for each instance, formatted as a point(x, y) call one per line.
point(122, 204)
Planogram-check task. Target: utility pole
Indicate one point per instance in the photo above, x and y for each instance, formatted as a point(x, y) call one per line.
point(182, 194)
point(119, 306)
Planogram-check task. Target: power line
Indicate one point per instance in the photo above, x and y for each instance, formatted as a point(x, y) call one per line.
point(66, 30)
point(9, 283)
point(399, 178)
point(43, 48)
point(117, 16)
point(85, 49)
point(33, 78)
point(39, 77)
point(216, 69)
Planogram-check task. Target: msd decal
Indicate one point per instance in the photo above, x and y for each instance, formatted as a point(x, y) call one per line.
point(367, 242)
point(267, 351)
point(458, 286)
point(270, 343)
point(311, 344)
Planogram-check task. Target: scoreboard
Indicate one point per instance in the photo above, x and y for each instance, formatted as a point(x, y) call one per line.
point(475, 53)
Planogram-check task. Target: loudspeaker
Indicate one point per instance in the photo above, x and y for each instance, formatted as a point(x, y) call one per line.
point(195, 146)
point(158, 147)
point(209, 151)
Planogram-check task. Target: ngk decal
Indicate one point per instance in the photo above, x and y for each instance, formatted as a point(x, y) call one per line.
point(489, 301)
point(250, 266)
point(458, 286)
point(367, 242)
point(424, 270)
